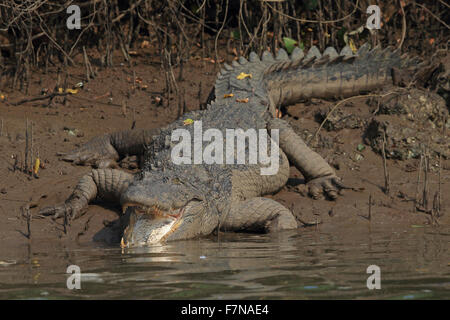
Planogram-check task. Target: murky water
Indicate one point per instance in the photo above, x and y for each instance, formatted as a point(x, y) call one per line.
point(301, 264)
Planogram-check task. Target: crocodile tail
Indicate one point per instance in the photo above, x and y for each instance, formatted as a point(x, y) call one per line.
point(289, 79)
point(334, 75)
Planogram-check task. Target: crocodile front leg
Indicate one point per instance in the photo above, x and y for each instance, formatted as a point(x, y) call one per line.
point(103, 151)
point(318, 173)
point(258, 214)
point(105, 184)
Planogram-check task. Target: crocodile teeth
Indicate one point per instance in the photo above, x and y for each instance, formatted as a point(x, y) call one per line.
point(242, 60)
point(297, 54)
point(282, 54)
point(330, 52)
point(313, 52)
point(253, 57)
point(267, 56)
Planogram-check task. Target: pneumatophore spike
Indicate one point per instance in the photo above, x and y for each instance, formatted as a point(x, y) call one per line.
point(346, 51)
point(313, 52)
point(253, 57)
point(282, 55)
point(330, 52)
point(242, 60)
point(227, 67)
point(267, 56)
point(235, 63)
point(223, 71)
point(297, 54)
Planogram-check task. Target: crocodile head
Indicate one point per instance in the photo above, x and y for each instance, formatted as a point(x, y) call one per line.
point(163, 208)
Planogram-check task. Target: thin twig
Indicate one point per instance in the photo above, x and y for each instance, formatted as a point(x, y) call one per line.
point(403, 25)
point(386, 173)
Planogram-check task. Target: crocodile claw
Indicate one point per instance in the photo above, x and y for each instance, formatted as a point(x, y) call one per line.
point(57, 211)
point(328, 185)
point(62, 210)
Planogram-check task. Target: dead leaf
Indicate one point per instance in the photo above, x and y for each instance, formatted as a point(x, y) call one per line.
point(72, 91)
point(36, 166)
point(242, 100)
point(243, 75)
point(145, 44)
point(278, 113)
point(188, 122)
point(228, 95)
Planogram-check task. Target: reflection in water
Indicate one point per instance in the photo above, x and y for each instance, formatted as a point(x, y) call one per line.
point(303, 264)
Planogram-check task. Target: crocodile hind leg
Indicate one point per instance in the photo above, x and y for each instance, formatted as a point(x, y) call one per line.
point(258, 214)
point(319, 175)
point(105, 150)
point(105, 184)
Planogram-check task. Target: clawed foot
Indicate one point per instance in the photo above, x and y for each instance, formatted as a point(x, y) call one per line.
point(328, 185)
point(98, 152)
point(62, 210)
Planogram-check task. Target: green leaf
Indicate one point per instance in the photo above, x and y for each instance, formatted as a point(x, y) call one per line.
point(340, 35)
point(235, 35)
point(289, 44)
point(360, 147)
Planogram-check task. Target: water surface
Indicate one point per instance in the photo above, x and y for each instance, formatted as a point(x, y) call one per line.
point(300, 264)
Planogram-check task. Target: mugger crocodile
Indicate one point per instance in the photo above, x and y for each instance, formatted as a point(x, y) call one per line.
point(171, 201)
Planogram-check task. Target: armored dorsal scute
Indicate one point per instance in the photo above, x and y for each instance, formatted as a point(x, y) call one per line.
point(267, 56)
point(313, 52)
point(282, 55)
point(297, 54)
point(331, 53)
point(346, 51)
point(253, 57)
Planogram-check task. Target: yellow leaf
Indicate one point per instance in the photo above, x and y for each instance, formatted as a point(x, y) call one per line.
point(243, 75)
point(188, 122)
point(352, 46)
point(60, 90)
point(242, 100)
point(36, 165)
point(228, 95)
point(2, 97)
point(72, 91)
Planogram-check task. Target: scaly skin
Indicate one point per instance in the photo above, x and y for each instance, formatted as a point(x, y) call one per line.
point(168, 201)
